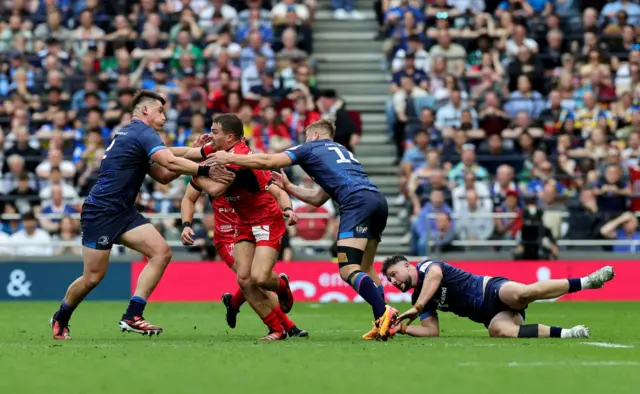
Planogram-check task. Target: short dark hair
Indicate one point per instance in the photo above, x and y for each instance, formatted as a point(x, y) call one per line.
point(325, 124)
point(146, 94)
point(95, 108)
point(230, 123)
point(28, 216)
point(391, 261)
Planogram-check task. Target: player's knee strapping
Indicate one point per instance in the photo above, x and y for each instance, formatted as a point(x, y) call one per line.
point(528, 331)
point(349, 256)
point(355, 278)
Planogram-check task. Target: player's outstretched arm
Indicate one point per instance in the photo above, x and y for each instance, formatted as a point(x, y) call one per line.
point(168, 160)
point(187, 208)
point(428, 327)
point(316, 197)
point(196, 152)
point(258, 161)
point(162, 175)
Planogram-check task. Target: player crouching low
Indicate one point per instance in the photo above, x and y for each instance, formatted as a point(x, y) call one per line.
point(496, 302)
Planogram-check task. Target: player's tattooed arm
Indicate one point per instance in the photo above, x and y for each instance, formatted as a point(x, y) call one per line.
point(258, 161)
point(316, 197)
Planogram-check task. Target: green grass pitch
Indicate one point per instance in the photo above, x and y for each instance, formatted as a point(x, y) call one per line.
point(199, 354)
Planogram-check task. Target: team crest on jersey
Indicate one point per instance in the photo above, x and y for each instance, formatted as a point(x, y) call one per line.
point(104, 240)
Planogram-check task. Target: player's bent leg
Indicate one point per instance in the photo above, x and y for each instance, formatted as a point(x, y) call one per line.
point(148, 241)
point(263, 275)
point(257, 298)
point(95, 267)
point(350, 259)
point(505, 324)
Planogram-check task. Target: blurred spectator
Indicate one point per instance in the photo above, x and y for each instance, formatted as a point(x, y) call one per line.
point(454, 53)
point(69, 193)
point(425, 179)
point(468, 164)
point(31, 241)
point(508, 228)
point(16, 170)
point(217, 7)
point(438, 229)
point(254, 47)
point(612, 192)
point(68, 233)
point(624, 227)
point(482, 195)
point(474, 223)
point(612, 8)
point(5, 245)
point(585, 219)
point(23, 196)
point(271, 135)
point(57, 205)
point(449, 116)
point(525, 100)
point(55, 159)
point(416, 51)
point(299, 119)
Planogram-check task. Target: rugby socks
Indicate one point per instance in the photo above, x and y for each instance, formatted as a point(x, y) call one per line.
point(273, 322)
point(136, 307)
point(237, 299)
point(381, 290)
point(575, 284)
point(63, 314)
point(366, 287)
point(284, 319)
point(556, 332)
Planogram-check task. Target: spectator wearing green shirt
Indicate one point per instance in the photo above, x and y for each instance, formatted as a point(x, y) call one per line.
point(185, 45)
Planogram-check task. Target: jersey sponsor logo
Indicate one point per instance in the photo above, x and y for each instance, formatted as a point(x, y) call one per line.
point(225, 210)
point(442, 301)
point(260, 233)
point(362, 229)
point(104, 240)
point(232, 198)
point(226, 228)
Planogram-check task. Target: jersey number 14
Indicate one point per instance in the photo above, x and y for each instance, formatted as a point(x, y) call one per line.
point(343, 159)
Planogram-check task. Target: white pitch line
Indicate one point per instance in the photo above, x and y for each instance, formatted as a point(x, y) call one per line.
point(607, 344)
point(556, 364)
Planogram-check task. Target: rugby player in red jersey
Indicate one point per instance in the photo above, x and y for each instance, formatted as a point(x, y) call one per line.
point(258, 235)
point(225, 224)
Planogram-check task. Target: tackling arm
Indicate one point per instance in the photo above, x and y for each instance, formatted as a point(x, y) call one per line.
point(171, 162)
point(193, 154)
point(162, 175)
point(316, 197)
point(258, 161)
point(214, 189)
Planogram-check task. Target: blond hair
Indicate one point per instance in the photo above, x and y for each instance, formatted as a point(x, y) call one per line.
point(326, 125)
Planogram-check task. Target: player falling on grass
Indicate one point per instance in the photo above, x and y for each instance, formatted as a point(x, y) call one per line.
point(259, 232)
point(226, 222)
point(363, 209)
point(497, 302)
point(109, 215)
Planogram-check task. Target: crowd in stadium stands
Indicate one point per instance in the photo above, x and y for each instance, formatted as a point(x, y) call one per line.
point(69, 70)
point(495, 102)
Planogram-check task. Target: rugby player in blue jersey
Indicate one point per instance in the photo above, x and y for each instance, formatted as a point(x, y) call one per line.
point(496, 302)
point(109, 215)
point(363, 209)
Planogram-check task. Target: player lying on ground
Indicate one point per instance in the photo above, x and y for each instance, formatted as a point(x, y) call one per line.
point(225, 224)
point(496, 302)
point(109, 215)
point(363, 209)
point(258, 236)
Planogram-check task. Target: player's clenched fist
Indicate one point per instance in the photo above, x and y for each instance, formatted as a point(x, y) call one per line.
point(187, 236)
point(221, 174)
